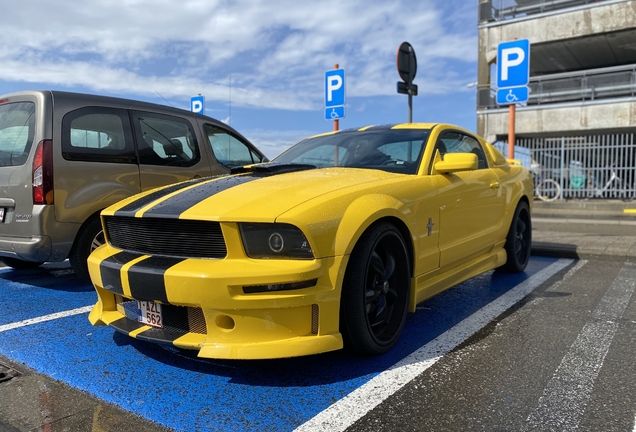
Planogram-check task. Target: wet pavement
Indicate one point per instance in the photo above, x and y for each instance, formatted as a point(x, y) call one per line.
point(34, 402)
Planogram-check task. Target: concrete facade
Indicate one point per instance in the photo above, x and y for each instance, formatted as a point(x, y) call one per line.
point(571, 39)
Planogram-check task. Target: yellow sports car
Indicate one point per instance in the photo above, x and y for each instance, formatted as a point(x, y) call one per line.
point(329, 245)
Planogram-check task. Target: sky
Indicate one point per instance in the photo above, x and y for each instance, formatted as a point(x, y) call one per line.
point(260, 64)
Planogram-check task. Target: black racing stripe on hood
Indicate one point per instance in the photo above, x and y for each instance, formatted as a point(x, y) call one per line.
point(131, 208)
point(146, 278)
point(174, 206)
point(110, 269)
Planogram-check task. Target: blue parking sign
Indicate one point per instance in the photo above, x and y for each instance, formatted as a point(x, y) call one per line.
point(197, 104)
point(334, 113)
point(334, 88)
point(513, 63)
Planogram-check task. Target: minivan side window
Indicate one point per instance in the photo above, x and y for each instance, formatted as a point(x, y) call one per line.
point(17, 126)
point(97, 134)
point(165, 140)
point(228, 149)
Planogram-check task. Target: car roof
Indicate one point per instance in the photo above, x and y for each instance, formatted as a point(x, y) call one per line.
point(108, 100)
point(394, 126)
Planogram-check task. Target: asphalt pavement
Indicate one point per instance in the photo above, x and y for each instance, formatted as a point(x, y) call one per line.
point(585, 229)
point(29, 401)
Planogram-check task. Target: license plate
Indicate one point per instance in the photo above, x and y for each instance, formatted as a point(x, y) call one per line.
point(149, 313)
point(1, 214)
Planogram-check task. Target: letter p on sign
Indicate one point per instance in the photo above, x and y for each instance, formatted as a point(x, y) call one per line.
point(510, 57)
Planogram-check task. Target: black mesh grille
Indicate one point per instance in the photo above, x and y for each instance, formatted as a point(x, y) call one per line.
point(168, 237)
point(176, 319)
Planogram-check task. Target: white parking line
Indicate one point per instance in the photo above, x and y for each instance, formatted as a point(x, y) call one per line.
point(354, 406)
point(563, 403)
point(44, 318)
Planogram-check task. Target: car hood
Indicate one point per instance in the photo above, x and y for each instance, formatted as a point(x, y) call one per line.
point(252, 196)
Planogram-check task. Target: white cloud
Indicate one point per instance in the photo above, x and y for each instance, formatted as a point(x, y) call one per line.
point(275, 51)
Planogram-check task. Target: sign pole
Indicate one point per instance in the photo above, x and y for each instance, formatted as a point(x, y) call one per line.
point(410, 106)
point(511, 132)
point(511, 128)
point(336, 122)
point(407, 68)
point(513, 78)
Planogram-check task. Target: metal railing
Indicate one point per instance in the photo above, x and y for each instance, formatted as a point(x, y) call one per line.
point(588, 85)
point(500, 10)
point(586, 167)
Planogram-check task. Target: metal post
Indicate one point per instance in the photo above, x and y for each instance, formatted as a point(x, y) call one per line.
point(410, 106)
point(511, 128)
point(336, 122)
point(561, 182)
point(511, 132)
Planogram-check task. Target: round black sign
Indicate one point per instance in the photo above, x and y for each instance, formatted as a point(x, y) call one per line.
point(406, 62)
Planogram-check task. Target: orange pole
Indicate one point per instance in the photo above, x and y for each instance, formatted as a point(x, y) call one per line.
point(336, 122)
point(511, 132)
point(511, 128)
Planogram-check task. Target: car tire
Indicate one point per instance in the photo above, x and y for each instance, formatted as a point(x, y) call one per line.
point(519, 240)
point(375, 292)
point(19, 264)
point(89, 238)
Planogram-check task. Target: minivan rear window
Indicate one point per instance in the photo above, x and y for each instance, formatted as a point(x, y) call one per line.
point(17, 127)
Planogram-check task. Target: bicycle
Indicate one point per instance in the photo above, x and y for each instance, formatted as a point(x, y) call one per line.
point(547, 189)
point(598, 192)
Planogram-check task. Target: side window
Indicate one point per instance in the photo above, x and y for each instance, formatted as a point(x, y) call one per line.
point(165, 140)
point(229, 150)
point(456, 142)
point(96, 134)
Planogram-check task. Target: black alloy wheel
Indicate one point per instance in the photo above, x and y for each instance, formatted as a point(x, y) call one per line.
point(519, 240)
point(375, 294)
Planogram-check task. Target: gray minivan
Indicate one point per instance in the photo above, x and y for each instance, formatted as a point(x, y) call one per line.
point(66, 156)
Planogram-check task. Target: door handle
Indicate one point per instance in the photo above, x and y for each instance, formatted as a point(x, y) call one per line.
point(494, 185)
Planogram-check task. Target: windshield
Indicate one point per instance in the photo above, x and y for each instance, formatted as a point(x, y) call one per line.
point(17, 126)
point(392, 150)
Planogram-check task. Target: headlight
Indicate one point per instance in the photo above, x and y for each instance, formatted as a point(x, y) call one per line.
point(275, 240)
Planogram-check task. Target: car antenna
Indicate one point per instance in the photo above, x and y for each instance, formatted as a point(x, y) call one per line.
point(164, 99)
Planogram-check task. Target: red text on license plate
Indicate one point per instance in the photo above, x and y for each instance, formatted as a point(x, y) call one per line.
point(149, 313)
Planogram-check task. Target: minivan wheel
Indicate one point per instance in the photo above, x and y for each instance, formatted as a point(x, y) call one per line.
point(88, 239)
point(19, 264)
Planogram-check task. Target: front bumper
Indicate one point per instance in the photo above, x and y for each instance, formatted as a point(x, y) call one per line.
point(206, 309)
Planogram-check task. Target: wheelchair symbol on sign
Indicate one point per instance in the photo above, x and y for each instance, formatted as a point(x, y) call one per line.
point(334, 114)
point(511, 97)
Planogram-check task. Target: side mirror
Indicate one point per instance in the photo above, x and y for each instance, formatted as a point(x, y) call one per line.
point(457, 162)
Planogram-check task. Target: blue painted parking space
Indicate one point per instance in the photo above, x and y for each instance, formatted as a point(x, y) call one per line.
point(177, 389)
point(31, 293)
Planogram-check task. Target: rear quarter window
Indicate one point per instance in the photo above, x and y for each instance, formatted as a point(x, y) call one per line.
point(17, 127)
point(96, 134)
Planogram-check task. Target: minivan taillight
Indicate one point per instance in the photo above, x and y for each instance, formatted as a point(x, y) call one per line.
point(43, 173)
